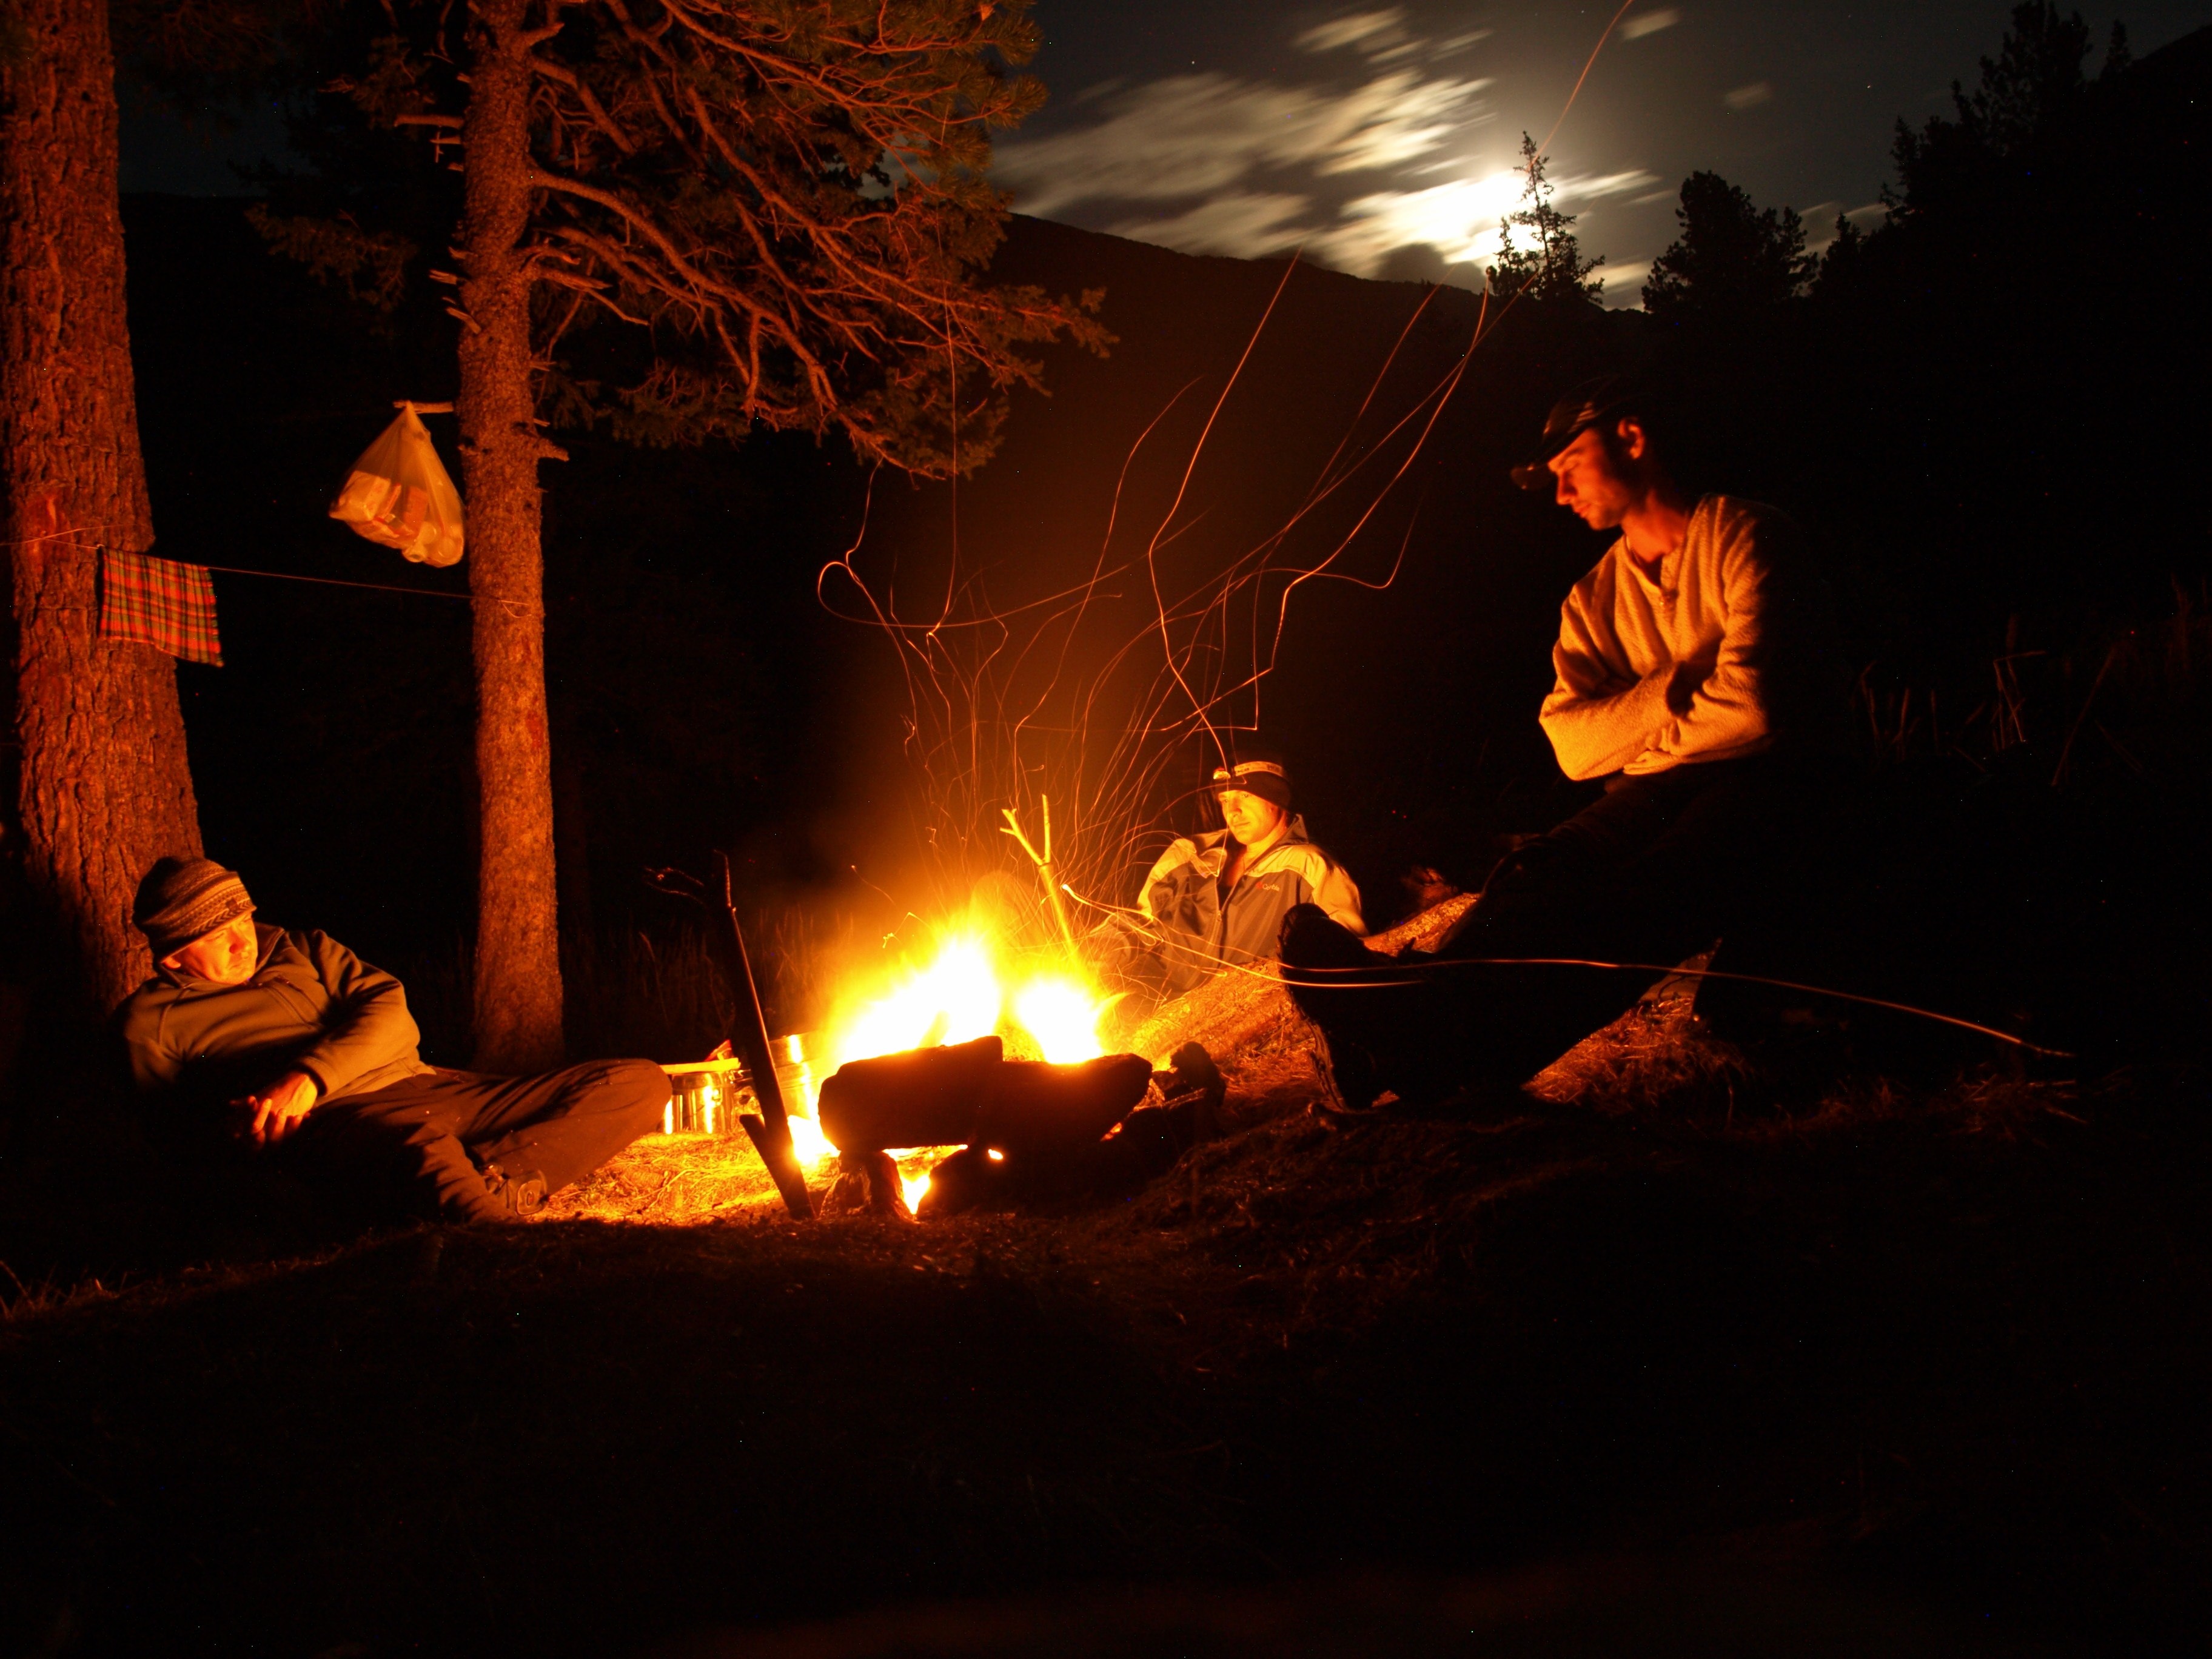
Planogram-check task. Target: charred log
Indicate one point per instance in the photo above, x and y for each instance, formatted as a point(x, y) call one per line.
point(1037, 1113)
point(924, 1097)
point(969, 1180)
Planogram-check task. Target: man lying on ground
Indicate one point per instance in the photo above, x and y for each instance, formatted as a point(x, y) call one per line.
point(312, 1052)
point(1218, 899)
point(1694, 677)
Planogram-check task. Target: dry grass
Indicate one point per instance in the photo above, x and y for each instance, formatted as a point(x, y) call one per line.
point(679, 1180)
point(690, 1180)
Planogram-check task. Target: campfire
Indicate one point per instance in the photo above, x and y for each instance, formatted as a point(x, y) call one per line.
point(1038, 1003)
point(974, 1078)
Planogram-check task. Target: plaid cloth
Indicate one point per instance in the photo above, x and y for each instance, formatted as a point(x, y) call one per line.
point(160, 603)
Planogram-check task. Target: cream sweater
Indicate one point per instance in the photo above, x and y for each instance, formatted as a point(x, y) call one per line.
point(1711, 660)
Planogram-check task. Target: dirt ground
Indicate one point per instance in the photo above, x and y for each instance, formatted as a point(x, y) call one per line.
point(1673, 1351)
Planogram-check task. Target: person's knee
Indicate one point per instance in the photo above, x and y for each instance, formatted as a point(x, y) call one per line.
point(641, 1087)
point(1312, 937)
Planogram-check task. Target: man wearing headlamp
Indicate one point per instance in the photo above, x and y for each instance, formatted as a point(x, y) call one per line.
point(1694, 676)
point(1218, 899)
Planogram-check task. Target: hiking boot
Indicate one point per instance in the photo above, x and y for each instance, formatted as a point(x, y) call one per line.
point(1354, 1081)
point(522, 1194)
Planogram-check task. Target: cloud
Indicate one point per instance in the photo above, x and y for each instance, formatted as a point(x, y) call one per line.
point(1354, 169)
point(1608, 184)
point(1194, 135)
point(1631, 277)
point(1650, 22)
point(1385, 28)
point(1459, 220)
point(1750, 97)
point(1820, 220)
point(1247, 224)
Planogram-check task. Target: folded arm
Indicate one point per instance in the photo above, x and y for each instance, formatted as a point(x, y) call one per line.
point(1725, 706)
point(1598, 718)
point(367, 1025)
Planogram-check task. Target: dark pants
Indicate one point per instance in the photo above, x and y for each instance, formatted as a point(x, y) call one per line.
point(1657, 869)
point(423, 1145)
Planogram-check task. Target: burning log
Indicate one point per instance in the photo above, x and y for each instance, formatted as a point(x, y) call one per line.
point(1033, 1111)
point(923, 1097)
point(1044, 1149)
point(971, 1179)
point(971, 1094)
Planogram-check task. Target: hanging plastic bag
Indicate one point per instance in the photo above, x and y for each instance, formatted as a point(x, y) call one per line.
point(399, 496)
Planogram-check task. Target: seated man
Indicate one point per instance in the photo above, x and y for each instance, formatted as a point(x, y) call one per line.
point(315, 1052)
point(1220, 898)
point(1694, 676)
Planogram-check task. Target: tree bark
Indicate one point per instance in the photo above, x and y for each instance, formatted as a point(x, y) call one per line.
point(517, 963)
point(105, 788)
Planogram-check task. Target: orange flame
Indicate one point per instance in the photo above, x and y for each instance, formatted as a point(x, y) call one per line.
point(963, 994)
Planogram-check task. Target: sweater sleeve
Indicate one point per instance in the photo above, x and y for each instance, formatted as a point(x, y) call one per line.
point(367, 1025)
point(1597, 718)
point(1181, 851)
point(1730, 712)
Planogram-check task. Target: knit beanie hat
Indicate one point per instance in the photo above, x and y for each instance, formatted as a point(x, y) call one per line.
point(1257, 771)
point(182, 899)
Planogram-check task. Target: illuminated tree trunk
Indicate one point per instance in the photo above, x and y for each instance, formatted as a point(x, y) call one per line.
point(105, 789)
point(518, 963)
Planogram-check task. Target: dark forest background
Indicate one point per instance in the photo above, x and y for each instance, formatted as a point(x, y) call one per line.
point(1986, 413)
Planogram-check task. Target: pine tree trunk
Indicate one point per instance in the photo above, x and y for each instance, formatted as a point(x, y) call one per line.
point(518, 965)
point(104, 788)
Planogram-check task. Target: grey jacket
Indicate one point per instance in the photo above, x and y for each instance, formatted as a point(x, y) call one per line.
point(311, 1005)
point(1195, 936)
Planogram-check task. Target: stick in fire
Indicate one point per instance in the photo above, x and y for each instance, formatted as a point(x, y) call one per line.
point(1045, 871)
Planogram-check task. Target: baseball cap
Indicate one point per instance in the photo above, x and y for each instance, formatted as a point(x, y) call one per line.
point(1589, 405)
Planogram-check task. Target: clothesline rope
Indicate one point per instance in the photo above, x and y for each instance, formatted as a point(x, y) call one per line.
point(333, 581)
point(77, 534)
point(513, 607)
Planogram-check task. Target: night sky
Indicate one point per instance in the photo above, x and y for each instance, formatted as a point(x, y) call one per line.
point(1380, 137)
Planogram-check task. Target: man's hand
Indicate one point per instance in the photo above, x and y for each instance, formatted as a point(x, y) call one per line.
point(279, 1109)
